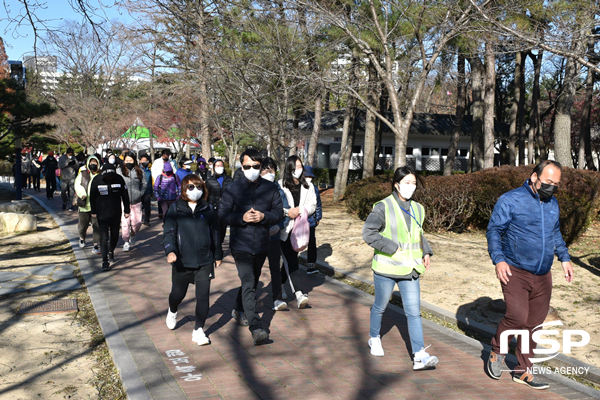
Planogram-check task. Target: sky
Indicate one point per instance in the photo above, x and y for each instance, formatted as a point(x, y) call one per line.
point(19, 38)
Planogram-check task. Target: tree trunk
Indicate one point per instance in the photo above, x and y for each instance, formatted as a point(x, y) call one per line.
point(326, 106)
point(562, 123)
point(585, 135)
point(477, 72)
point(348, 160)
point(460, 112)
point(514, 111)
point(521, 110)
point(488, 112)
point(202, 91)
point(314, 137)
point(534, 118)
point(371, 124)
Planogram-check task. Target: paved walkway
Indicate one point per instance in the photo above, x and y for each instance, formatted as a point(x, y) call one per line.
point(317, 353)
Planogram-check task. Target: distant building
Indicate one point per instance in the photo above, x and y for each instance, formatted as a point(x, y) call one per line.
point(44, 68)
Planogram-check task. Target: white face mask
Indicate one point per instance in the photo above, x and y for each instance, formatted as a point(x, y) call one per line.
point(112, 160)
point(270, 177)
point(297, 173)
point(406, 190)
point(251, 174)
point(195, 194)
point(309, 180)
point(186, 166)
point(219, 170)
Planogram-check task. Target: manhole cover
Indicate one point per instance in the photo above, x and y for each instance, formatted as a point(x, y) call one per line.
point(48, 307)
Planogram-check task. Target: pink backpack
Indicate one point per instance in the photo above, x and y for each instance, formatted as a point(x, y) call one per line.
point(300, 232)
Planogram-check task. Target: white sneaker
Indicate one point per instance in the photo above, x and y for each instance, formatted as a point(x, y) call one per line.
point(126, 246)
point(424, 360)
point(302, 299)
point(279, 305)
point(283, 293)
point(81, 243)
point(171, 319)
point(375, 345)
point(200, 337)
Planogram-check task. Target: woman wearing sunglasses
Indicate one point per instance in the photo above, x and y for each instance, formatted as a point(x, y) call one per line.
point(193, 248)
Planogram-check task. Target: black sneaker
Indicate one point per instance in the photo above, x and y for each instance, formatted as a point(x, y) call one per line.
point(495, 365)
point(240, 317)
point(111, 257)
point(528, 379)
point(310, 268)
point(64, 206)
point(72, 208)
point(105, 267)
point(259, 336)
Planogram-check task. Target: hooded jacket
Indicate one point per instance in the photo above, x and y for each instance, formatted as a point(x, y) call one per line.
point(85, 175)
point(50, 165)
point(525, 232)
point(68, 168)
point(107, 192)
point(238, 198)
point(192, 235)
point(136, 187)
point(167, 187)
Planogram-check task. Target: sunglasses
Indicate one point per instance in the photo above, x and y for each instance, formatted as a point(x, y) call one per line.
point(192, 187)
point(247, 167)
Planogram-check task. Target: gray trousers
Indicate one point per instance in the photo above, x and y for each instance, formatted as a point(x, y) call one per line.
point(84, 222)
point(67, 191)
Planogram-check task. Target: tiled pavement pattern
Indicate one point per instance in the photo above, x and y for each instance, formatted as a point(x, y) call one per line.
point(316, 353)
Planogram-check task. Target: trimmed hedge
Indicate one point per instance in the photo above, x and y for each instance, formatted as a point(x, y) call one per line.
point(466, 201)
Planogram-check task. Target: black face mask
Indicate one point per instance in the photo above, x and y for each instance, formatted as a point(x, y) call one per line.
point(546, 191)
point(129, 165)
point(93, 167)
point(144, 164)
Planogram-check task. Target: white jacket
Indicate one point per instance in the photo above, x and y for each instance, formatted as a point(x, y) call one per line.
point(308, 200)
point(157, 168)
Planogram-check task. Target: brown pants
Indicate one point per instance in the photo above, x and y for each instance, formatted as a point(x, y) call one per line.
point(527, 298)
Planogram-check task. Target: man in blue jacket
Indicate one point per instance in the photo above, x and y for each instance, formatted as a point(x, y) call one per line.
point(523, 236)
point(250, 206)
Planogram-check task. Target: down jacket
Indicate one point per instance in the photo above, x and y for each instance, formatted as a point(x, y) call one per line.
point(525, 232)
point(136, 187)
point(215, 191)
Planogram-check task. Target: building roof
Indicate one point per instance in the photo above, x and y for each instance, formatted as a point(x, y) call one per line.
point(423, 123)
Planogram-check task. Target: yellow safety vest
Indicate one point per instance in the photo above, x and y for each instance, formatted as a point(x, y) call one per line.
point(409, 255)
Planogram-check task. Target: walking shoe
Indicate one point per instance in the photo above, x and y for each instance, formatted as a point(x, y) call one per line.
point(111, 257)
point(105, 267)
point(171, 319)
point(239, 317)
point(132, 239)
point(302, 299)
point(283, 293)
point(81, 243)
point(200, 337)
point(375, 345)
point(126, 246)
point(424, 360)
point(310, 268)
point(64, 206)
point(146, 223)
point(528, 379)
point(495, 365)
point(96, 249)
point(72, 208)
point(279, 305)
point(259, 336)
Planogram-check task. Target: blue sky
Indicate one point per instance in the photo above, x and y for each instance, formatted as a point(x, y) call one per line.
point(19, 39)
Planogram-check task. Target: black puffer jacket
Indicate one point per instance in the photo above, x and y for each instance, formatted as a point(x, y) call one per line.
point(240, 197)
point(193, 236)
point(215, 191)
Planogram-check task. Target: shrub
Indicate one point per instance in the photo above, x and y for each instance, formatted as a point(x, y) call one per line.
point(467, 200)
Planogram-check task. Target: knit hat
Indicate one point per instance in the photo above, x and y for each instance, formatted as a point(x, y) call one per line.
point(167, 167)
point(50, 153)
point(108, 166)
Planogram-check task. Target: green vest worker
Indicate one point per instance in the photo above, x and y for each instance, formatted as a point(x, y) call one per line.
point(395, 230)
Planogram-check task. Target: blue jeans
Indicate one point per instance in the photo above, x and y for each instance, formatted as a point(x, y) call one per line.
point(411, 302)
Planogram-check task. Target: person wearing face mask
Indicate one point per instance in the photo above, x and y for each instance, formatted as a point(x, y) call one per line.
point(215, 186)
point(147, 196)
point(83, 184)
point(211, 166)
point(268, 169)
point(136, 182)
point(395, 230)
point(157, 169)
point(49, 167)
point(313, 220)
point(523, 237)
point(193, 248)
point(166, 188)
point(185, 166)
point(301, 198)
point(202, 170)
point(36, 167)
point(68, 172)
point(250, 207)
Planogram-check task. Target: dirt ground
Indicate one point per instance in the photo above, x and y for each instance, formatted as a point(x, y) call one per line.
point(49, 356)
point(462, 277)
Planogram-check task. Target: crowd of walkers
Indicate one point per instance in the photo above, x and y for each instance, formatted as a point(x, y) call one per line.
point(273, 215)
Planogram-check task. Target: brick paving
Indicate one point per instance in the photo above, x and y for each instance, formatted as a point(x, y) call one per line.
point(319, 352)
